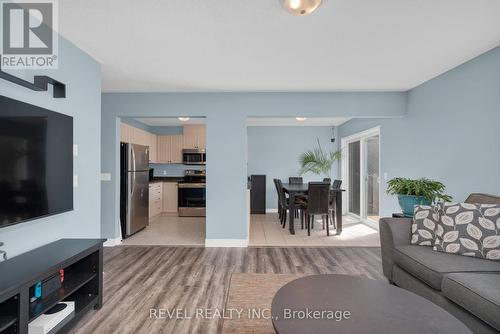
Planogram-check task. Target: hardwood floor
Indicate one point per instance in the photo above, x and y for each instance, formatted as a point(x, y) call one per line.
point(140, 278)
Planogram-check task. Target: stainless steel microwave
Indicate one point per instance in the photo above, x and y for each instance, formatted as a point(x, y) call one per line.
point(195, 156)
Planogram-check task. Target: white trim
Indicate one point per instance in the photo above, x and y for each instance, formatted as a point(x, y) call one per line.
point(112, 242)
point(226, 242)
point(361, 137)
point(271, 210)
point(371, 223)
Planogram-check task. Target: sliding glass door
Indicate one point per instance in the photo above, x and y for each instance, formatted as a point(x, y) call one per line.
point(372, 177)
point(361, 172)
point(354, 189)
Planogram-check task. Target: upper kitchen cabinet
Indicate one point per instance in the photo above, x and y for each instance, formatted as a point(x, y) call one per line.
point(130, 134)
point(194, 136)
point(170, 149)
point(125, 133)
point(153, 148)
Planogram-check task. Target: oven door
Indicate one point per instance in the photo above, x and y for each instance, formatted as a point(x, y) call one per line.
point(193, 159)
point(192, 199)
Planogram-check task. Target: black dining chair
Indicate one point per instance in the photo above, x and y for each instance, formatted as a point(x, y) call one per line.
point(284, 204)
point(295, 180)
point(327, 179)
point(336, 186)
point(318, 204)
point(279, 202)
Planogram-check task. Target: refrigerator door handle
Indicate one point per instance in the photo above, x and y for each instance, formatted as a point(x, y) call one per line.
point(133, 157)
point(129, 202)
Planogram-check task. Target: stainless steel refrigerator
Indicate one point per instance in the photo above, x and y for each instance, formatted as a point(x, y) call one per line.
point(134, 188)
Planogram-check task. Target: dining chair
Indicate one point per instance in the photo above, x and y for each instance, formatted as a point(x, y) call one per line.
point(284, 204)
point(318, 204)
point(275, 181)
point(295, 180)
point(336, 186)
point(327, 179)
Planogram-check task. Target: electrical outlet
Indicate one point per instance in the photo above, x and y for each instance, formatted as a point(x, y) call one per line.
point(105, 176)
point(75, 150)
point(164, 172)
point(75, 181)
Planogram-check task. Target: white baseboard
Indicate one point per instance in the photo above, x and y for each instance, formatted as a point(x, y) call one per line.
point(112, 242)
point(226, 243)
point(271, 210)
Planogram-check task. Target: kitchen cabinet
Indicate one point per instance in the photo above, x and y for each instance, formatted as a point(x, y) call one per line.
point(130, 134)
point(155, 199)
point(194, 136)
point(170, 149)
point(125, 131)
point(153, 150)
point(170, 197)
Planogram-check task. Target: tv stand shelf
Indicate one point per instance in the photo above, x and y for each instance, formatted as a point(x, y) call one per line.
point(81, 260)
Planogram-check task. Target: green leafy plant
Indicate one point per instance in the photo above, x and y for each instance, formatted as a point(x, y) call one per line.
point(317, 161)
point(430, 189)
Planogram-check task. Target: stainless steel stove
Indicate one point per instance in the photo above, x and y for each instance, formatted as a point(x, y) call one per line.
point(192, 194)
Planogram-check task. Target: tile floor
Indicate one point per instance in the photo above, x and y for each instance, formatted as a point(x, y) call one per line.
point(265, 230)
point(171, 231)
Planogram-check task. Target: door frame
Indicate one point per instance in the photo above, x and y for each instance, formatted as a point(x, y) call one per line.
point(359, 136)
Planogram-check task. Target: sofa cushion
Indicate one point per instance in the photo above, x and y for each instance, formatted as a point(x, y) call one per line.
point(425, 221)
point(469, 229)
point(478, 293)
point(430, 266)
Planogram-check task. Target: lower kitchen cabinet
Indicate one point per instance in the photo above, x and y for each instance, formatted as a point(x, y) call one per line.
point(170, 202)
point(162, 198)
point(155, 199)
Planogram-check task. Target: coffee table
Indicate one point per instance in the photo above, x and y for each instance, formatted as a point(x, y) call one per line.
point(351, 304)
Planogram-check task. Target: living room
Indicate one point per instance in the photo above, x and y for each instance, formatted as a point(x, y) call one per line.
point(419, 82)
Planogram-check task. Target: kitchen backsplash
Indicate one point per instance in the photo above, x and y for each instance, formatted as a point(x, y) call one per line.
point(172, 169)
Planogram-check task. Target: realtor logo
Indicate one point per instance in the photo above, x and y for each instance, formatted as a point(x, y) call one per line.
point(28, 34)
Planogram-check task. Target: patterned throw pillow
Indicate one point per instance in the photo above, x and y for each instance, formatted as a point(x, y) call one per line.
point(470, 230)
point(423, 229)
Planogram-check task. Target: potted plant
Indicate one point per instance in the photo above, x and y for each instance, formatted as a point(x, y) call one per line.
point(318, 162)
point(414, 192)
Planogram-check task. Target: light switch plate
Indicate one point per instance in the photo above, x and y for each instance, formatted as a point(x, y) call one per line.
point(75, 150)
point(105, 176)
point(75, 181)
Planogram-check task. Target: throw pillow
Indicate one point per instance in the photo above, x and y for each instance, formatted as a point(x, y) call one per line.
point(423, 229)
point(470, 230)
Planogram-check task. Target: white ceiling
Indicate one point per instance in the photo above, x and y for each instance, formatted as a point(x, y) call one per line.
point(292, 121)
point(241, 45)
point(169, 121)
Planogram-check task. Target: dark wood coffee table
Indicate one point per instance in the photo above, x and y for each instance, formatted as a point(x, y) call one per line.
point(351, 304)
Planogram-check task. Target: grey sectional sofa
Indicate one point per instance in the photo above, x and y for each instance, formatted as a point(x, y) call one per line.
point(468, 288)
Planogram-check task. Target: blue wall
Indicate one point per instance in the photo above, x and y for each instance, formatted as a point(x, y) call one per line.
point(275, 151)
point(451, 132)
point(82, 76)
point(172, 169)
point(226, 115)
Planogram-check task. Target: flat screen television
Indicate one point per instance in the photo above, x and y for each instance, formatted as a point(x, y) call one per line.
point(36, 162)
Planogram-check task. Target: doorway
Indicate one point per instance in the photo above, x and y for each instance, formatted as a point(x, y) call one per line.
point(361, 172)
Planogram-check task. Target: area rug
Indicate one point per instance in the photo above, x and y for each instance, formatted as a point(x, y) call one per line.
point(250, 297)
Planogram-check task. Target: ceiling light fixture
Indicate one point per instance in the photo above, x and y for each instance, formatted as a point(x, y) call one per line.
point(183, 119)
point(300, 119)
point(301, 7)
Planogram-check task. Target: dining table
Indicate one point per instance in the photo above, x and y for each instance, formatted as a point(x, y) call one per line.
point(294, 189)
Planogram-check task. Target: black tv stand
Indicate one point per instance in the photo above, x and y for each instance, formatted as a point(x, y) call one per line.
point(81, 260)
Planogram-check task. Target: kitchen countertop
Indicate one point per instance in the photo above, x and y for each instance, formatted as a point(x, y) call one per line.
point(166, 179)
